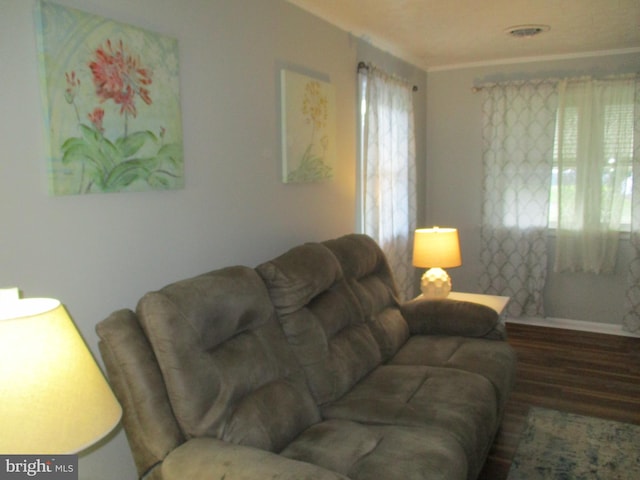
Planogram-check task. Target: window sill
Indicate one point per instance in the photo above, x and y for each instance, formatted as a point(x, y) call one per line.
point(624, 234)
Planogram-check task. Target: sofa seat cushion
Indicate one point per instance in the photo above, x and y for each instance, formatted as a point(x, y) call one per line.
point(213, 459)
point(456, 401)
point(490, 358)
point(368, 452)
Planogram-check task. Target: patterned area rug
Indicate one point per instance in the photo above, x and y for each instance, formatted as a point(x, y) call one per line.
point(564, 446)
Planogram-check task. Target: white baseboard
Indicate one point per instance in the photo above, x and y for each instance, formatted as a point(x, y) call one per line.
point(568, 324)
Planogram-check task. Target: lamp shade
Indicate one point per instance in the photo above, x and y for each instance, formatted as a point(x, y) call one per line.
point(436, 247)
point(54, 398)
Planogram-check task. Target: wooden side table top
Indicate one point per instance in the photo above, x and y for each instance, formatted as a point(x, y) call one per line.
point(492, 301)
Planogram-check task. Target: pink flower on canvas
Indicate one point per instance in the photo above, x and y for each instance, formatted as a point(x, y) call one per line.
point(118, 76)
point(96, 118)
point(73, 83)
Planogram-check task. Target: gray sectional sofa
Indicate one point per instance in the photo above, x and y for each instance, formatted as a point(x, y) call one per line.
point(307, 367)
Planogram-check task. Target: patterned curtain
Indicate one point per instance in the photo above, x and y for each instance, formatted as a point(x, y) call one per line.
point(388, 170)
point(518, 136)
point(631, 320)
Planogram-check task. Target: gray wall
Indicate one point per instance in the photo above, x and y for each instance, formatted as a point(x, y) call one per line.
point(454, 179)
point(98, 253)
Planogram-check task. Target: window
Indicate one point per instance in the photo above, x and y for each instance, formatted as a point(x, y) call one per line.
point(600, 147)
point(387, 170)
point(593, 150)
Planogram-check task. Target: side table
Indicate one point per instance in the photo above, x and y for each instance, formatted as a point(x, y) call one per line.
point(496, 302)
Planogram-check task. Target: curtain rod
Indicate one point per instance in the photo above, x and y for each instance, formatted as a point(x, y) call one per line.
point(364, 66)
point(479, 88)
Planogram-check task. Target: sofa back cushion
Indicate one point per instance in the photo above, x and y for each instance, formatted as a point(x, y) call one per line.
point(321, 318)
point(367, 272)
point(228, 369)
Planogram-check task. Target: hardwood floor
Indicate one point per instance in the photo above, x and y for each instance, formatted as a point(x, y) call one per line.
point(578, 372)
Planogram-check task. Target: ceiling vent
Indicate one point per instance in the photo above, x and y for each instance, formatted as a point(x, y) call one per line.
point(527, 31)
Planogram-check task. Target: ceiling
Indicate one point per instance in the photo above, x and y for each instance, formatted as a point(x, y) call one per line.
point(445, 33)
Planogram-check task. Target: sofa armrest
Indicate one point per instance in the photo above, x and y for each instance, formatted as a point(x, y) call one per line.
point(213, 459)
point(452, 317)
point(134, 374)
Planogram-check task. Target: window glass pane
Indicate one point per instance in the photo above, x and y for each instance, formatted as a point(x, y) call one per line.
point(617, 145)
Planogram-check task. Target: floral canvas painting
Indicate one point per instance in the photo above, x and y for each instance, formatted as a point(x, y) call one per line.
point(112, 104)
point(308, 128)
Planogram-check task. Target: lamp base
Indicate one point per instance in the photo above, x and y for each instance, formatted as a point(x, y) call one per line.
point(435, 283)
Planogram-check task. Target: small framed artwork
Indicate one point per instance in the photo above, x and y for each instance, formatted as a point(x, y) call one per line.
point(308, 128)
point(112, 104)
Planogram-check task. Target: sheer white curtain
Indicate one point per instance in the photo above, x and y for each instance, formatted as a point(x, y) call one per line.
point(594, 151)
point(388, 172)
point(631, 320)
point(518, 133)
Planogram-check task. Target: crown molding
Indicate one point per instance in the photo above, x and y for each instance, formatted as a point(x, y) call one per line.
point(541, 58)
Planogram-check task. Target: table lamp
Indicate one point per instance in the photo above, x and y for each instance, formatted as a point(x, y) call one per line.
point(54, 398)
point(436, 249)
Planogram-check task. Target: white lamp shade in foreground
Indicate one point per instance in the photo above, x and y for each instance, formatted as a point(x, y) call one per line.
point(54, 398)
